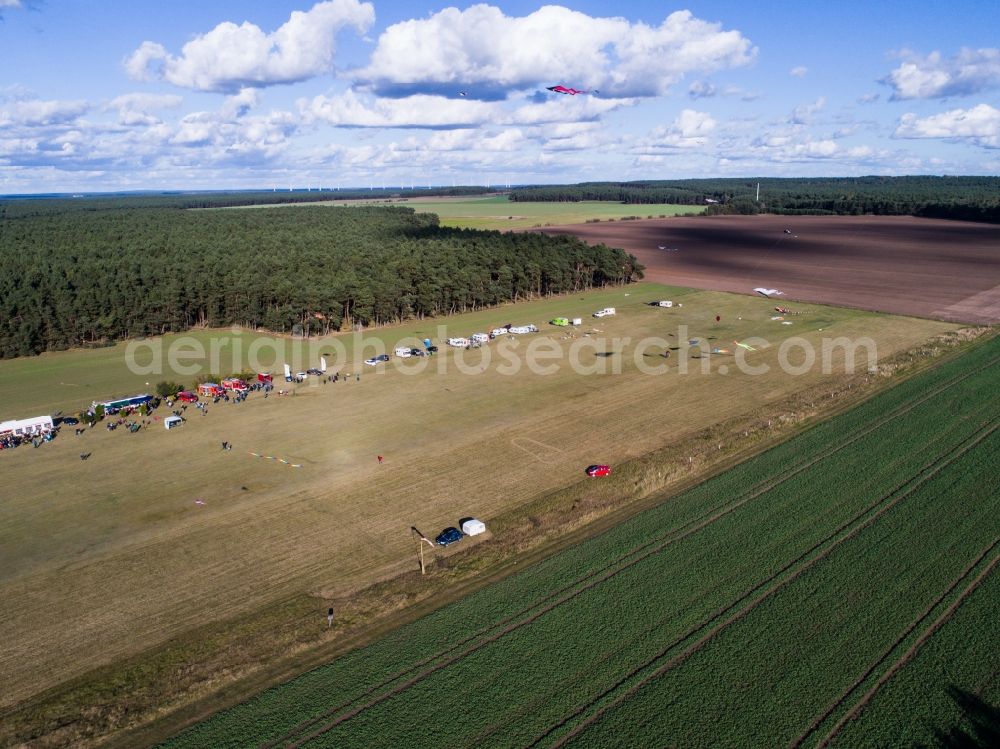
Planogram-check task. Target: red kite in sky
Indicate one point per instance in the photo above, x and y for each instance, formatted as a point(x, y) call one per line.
point(564, 90)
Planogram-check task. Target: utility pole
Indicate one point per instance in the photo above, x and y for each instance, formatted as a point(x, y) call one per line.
point(421, 539)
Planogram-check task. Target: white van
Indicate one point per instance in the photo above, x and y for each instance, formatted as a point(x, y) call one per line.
point(403, 351)
point(606, 312)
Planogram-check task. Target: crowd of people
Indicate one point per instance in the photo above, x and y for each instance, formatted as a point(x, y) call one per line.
point(136, 418)
point(10, 441)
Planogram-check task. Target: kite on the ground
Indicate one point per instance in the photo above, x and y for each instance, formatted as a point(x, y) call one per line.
point(566, 90)
point(747, 346)
point(768, 292)
point(280, 460)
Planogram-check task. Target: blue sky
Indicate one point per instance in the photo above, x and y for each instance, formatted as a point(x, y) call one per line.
point(214, 95)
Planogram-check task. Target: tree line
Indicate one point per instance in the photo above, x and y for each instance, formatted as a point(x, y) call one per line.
point(46, 205)
point(96, 276)
point(964, 198)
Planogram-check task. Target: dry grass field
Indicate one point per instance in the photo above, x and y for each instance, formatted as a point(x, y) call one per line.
point(103, 558)
point(497, 212)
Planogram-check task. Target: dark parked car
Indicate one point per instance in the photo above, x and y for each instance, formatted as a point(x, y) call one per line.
point(314, 371)
point(448, 536)
point(417, 352)
point(70, 420)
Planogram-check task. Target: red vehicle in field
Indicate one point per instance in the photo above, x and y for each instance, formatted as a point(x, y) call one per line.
point(186, 396)
point(599, 470)
point(235, 384)
point(211, 390)
point(265, 378)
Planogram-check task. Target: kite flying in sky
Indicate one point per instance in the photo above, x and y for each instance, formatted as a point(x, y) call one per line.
point(565, 90)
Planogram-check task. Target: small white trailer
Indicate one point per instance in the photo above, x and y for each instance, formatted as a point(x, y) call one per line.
point(473, 527)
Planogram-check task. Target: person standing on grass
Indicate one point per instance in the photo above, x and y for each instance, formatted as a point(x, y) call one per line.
point(329, 617)
point(380, 460)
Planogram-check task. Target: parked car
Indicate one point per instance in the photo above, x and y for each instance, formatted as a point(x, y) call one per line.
point(432, 349)
point(70, 420)
point(418, 352)
point(599, 470)
point(448, 536)
point(560, 321)
point(186, 396)
point(314, 371)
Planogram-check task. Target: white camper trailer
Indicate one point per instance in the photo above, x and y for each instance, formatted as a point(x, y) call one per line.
point(473, 527)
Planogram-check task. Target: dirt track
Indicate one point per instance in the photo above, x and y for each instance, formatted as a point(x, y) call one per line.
point(948, 270)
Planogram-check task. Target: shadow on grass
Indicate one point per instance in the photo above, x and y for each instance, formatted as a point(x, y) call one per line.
point(979, 728)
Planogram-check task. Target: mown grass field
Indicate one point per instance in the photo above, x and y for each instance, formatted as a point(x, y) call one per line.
point(104, 558)
point(497, 212)
point(839, 589)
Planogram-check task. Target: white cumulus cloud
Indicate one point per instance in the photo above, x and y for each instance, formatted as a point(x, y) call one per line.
point(799, 71)
point(980, 125)
point(690, 129)
point(488, 54)
point(230, 57)
point(38, 112)
point(935, 77)
point(136, 109)
point(420, 111)
point(803, 115)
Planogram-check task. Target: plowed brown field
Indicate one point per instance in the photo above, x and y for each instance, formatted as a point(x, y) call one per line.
point(948, 270)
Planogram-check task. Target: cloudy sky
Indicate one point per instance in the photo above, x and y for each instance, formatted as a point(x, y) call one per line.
point(222, 94)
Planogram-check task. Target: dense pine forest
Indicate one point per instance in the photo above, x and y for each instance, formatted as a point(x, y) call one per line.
point(94, 272)
point(965, 198)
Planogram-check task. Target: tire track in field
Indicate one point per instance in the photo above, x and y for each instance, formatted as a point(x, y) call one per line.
point(883, 505)
point(911, 653)
point(925, 614)
point(643, 551)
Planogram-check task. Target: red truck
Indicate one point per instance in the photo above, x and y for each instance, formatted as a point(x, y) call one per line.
point(235, 384)
point(211, 390)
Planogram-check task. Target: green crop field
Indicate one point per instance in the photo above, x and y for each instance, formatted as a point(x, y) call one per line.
point(497, 212)
point(459, 439)
point(839, 589)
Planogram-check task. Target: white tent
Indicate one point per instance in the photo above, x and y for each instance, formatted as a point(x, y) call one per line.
point(473, 527)
point(172, 421)
point(27, 427)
